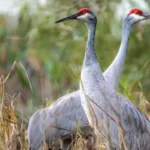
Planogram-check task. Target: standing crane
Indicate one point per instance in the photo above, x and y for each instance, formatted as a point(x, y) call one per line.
point(64, 111)
point(113, 117)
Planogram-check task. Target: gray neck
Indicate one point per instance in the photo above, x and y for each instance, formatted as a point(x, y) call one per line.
point(90, 56)
point(114, 70)
point(120, 58)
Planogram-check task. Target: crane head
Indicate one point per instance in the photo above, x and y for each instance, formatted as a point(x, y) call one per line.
point(135, 15)
point(84, 14)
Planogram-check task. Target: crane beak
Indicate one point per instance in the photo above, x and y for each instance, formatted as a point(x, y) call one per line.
point(147, 16)
point(72, 17)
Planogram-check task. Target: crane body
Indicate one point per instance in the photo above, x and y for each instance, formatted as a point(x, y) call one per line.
point(53, 122)
point(109, 112)
point(60, 119)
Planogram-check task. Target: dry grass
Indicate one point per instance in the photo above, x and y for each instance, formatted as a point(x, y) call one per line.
point(13, 124)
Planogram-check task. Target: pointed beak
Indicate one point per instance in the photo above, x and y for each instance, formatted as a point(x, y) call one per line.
point(72, 17)
point(147, 16)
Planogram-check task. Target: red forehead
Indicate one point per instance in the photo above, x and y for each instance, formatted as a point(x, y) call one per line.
point(83, 11)
point(136, 11)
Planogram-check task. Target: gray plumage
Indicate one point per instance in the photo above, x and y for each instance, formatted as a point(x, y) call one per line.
point(113, 117)
point(63, 112)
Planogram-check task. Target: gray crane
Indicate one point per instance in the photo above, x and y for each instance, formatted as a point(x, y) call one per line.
point(113, 117)
point(64, 111)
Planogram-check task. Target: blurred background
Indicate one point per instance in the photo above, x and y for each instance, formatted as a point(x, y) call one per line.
point(52, 54)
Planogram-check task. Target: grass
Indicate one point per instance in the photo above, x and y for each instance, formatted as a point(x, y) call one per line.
point(13, 123)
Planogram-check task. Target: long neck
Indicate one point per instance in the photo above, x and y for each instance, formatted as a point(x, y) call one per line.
point(112, 74)
point(90, 56)
point(120, 58)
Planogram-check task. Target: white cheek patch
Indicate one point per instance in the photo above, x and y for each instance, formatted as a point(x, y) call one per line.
point(84, 17)
point(137, 17)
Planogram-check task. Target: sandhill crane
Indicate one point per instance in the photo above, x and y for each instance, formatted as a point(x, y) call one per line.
point(64, 111)
point(108, 111)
